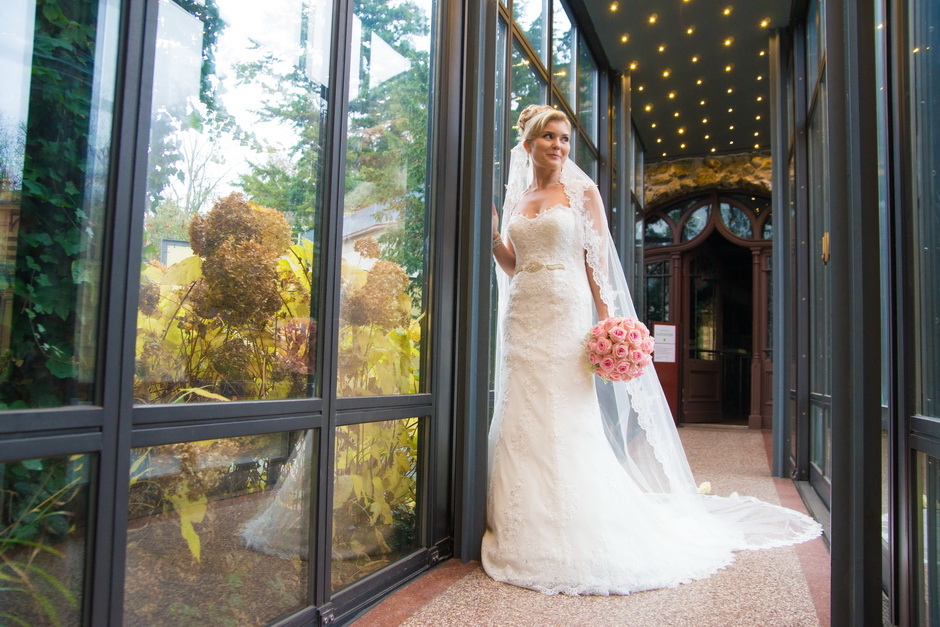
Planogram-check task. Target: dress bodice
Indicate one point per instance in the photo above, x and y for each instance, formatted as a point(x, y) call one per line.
point(552, 237)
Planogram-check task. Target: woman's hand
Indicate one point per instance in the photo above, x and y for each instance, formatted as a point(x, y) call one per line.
point(495, 222)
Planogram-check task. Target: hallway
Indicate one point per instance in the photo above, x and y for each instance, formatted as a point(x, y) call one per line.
point(786, 586)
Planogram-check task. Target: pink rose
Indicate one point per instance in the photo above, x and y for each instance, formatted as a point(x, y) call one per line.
point(607, 364)
point(620, 351)
point(629, 323)
point(610, 323)
point(637, 356)
point(597, 331)
point(642, 328)
point(647, 346)
point(623, 367)
point(646, 361)
point(618, 334)
point(634, 336)
point(615, 376)
point(604, 345)
point(594, 358)
point(592, 346)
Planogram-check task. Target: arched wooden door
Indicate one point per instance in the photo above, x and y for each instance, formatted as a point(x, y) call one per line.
point(706, 260)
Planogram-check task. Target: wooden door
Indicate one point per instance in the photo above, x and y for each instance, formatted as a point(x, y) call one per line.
point(702, 367)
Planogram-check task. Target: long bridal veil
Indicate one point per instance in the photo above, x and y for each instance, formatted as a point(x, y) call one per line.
point(637, 419)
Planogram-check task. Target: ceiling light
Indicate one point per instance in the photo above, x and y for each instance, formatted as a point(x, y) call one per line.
point(730, 90)
point(701, 102)
point(713, 150)
point(727, 11)
point(659, 140)
point(665, 73)
point(756, 133)
point(648, 107)
point(764, 23)
point(731, 128)
point(681, 145)
point(652, 18)
point(614, 6)
point(694, 59)
point(757, 117)
point(728, 68)
point(757, 145)
point(731, 142)
point(728, 41)
point(759, 98)
point(730, 110)
point(625, 38)
point(704, 120)
point(698, 82)
point(640, 88)
point(707, 136)
point(633, 65)
point(662, 47)
point(653, 125)
point(761, 53)
point(690, 30)
point(664, 154)
point(682, 130)
point(672, 94)
point(676, 114)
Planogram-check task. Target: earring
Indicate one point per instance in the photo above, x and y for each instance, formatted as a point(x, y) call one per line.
point(526, 159)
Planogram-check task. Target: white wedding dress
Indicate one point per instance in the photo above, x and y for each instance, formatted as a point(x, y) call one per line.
point(579, 503)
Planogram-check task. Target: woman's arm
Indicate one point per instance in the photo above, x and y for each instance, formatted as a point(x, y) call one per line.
point(503, 251)
point(599, 304)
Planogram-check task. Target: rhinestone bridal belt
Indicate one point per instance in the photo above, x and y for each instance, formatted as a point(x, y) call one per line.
point(535, 266)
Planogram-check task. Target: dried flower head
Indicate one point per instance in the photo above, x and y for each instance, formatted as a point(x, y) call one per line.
point(367, 247)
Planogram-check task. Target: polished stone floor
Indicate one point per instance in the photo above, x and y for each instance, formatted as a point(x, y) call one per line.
point(786, 587)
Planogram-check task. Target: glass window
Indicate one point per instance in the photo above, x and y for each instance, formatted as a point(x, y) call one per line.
point(43, 531)
point(736, 220)
point(767, 231)
point(695, 223)
point(532, 18)
point(500, 156)
point(657, 292)
point(658, 232)
point(375, 495)
point(382, 320)
point(703, 304)
point(585, 158)
point(925, 134)
point(234, 185)
point(639, 169)
point(927, 531)
point(218, 530)
point(587, 91)
point(527, 87)
point(677, 210)
point(58, 67)
point(815, 44)
point(563, 59)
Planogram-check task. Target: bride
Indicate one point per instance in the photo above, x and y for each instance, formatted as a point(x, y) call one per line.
point(589, 489)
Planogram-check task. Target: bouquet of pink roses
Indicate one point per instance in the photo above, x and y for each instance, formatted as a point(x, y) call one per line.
point(620, 348)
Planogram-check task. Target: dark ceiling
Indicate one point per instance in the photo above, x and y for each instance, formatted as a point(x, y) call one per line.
point(699, 70)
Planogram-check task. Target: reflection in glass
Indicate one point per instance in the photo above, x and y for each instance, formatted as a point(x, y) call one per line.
point(382, 299)
point(527, 87)
point(58, 67)
point(587, 91)
point(585, 157)
point(928, 537)
point(767, 231)
point(532, 18)
point(563, 60)
point(925, 114)
point(234, 186)
point(44, 506)
point(736, 220)
point(218, 530)
point(657, 292)
point(695, 223)
point(658, 232)
point(500, 157)
point(676, 211)
point(375, 517)
point(703, 303)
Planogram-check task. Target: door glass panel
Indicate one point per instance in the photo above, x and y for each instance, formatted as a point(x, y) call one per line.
point(375, 491)
point(927, 531)
point(218, 530)
point(385, 202)
point(234, 197)
point(532, 18)
point(767, 232)
point(925, 134)
point(44, 506)
point(56, 112)
point(527, 87)
point(563, 59)
point(695, 223)
point(657, 292)
point(657, 232)
point(587, 91)
point(703, 301)
point(736, 220)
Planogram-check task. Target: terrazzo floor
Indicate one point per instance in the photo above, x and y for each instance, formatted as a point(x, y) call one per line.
point(787, 586)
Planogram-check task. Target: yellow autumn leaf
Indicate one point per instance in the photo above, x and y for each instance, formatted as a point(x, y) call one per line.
point(190, 512)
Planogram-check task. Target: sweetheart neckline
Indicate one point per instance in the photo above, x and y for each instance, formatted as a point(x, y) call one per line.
point(542, 212)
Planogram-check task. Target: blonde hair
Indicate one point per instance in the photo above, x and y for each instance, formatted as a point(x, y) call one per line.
point(534, 118)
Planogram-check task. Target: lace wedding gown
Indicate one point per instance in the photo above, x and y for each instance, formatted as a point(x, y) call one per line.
point(567, 513)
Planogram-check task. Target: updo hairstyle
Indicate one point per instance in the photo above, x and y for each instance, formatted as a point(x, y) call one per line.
point(534, 118)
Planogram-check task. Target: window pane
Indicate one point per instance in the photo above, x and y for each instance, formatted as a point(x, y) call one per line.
point(587, 91)
point(736, 220)
point(500, 162)
point(43, 531)
point(382, 305)
point(767, 231)
point(658, 232)
point(563, 67)
point(527, 87)
point(233, 202)
point(532, 17)
point(58, 68)
point(585, 158)
point(218, 530)
point(375, 491)
point(695, 223)
point(925, 134)
point(657, 292)
point(927, 530)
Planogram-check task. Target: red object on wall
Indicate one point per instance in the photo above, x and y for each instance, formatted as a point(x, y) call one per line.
point(666, 362)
